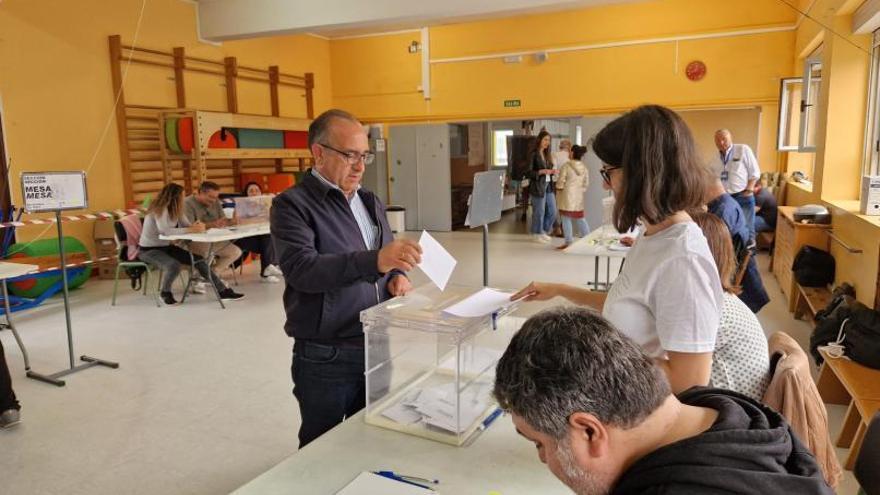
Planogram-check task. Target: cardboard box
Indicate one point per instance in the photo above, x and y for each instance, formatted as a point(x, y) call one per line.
point(106, 270)
point(104, 230)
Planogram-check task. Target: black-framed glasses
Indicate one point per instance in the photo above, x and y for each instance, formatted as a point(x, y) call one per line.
point(351, 157)
point(605, 173)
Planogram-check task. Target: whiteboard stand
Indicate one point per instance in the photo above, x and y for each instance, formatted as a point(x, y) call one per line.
point(485, 207)
point(58, 191)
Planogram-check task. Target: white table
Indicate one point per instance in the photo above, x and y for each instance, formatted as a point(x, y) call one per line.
point(498, 460)
point(598, 244)
point(212, 237)
point(8, 271)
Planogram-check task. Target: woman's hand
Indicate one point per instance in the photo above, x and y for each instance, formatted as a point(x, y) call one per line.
point(537, 291)
point(197, 228)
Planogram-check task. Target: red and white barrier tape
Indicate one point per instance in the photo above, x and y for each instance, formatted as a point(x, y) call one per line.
point(98, 215)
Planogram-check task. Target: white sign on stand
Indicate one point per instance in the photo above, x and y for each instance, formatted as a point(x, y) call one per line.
point(54, 191)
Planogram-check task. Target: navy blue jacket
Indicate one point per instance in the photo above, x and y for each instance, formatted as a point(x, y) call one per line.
point(753, 294)
point(330, 276)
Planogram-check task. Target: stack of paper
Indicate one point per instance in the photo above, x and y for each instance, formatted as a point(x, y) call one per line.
point(435, 406)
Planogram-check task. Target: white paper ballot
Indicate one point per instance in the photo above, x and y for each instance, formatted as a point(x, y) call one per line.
point(373, 484)
point(437, 263)
point(482, 303)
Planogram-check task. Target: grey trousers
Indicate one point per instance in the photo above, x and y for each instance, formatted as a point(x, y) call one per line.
point(170, 258)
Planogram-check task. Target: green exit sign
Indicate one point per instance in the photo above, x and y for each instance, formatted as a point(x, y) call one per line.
point(511, 103)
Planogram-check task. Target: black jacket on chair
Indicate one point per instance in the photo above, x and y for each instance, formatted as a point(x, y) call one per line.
point(330, 276)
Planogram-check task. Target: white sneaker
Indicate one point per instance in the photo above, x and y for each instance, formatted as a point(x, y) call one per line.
point(272, 270)
point(546, 238)
point(270, 279)
point(540, 238)
point(198, 287)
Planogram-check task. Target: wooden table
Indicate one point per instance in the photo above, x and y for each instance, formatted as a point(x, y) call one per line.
point(790, 237)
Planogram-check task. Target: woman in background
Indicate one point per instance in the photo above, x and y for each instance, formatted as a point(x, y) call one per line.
point(165, 217)
point(260, 244)
point(740, 362)
point(571, 185)
point(541, 189)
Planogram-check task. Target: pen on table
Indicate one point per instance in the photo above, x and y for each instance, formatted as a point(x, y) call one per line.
point(485, 424)
point(408, 479)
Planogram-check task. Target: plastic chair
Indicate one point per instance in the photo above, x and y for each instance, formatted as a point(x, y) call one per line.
point(867, 468)
point(123, 262)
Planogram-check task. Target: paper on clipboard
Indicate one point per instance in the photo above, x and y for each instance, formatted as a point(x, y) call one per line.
point(436, 263)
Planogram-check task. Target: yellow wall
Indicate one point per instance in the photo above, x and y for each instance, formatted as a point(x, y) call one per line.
point(56, 91)
point(742, 71)
point(840, 138)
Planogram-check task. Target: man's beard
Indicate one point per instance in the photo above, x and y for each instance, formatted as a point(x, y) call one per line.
point(578, 479)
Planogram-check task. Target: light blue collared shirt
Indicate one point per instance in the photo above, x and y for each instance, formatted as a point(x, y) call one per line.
point(369, 231)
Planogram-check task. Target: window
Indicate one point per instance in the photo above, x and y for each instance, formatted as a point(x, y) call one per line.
point(871, 162)
point(789, 114)
point(499, 147)
point(810, 101)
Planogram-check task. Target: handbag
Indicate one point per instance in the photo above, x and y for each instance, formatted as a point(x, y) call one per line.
point(854, 329)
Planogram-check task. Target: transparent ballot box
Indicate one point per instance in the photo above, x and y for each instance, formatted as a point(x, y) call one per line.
point(429, 373)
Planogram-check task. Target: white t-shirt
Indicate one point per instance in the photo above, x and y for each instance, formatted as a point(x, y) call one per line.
point(668, 296)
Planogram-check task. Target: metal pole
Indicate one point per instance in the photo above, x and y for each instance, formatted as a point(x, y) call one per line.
point(64, 286)
point(486, 255)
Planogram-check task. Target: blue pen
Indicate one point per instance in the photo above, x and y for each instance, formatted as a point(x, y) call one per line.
point(491, 418)
point(495, 321)
point(406, 479)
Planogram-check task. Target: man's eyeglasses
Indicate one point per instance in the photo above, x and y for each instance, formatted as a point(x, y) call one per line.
point(606, 173)
point(351, 157)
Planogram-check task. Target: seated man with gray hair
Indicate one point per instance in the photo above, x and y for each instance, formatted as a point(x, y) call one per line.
point(603, 418)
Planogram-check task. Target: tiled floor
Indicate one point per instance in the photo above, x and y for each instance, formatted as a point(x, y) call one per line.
point(201, 402)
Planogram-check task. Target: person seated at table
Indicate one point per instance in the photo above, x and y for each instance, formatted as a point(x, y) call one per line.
point(766, 208)
point(741, 361)
point(10, 408)
point(260, 244)
point(204, 206)
point(668, 296)
point(166, 217)
point(604, 420)
point(722, 205)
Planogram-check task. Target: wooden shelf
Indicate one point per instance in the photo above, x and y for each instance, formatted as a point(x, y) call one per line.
point(252, 153)
point(206, 124)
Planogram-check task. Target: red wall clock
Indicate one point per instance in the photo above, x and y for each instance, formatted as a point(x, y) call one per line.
point(695, 70)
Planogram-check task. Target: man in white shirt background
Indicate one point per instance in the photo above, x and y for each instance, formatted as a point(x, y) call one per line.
point(737, 167)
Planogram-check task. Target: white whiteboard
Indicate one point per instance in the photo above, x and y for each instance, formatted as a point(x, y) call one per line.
point(54, 191)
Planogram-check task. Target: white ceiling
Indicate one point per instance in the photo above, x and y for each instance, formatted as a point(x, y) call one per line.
point(235, 19)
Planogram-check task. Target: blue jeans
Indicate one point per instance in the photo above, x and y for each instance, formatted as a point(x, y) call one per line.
point(761, 225)
point(582, 226)
point(328, 383)
point(747, 203)
point(543, 212)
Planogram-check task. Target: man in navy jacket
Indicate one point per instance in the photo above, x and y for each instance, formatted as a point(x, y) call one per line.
point(338, 257)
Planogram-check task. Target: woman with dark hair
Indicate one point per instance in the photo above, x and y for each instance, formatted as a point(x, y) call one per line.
point(741, 361)
point(574, 178)
point(165, 216)
point(668, 296)
point(260, 244)
point(541, 189)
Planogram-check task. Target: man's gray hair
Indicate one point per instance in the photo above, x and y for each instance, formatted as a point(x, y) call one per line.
point(321, 125)
point(567, 360)
point(726, 132)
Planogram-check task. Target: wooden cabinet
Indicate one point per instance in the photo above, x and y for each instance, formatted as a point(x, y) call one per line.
point(790, 237)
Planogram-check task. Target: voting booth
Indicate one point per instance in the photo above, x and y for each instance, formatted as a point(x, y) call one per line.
point(430, 373)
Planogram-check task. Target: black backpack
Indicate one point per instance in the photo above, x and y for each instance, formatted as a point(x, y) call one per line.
point(859, 329)
point(813, 267)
